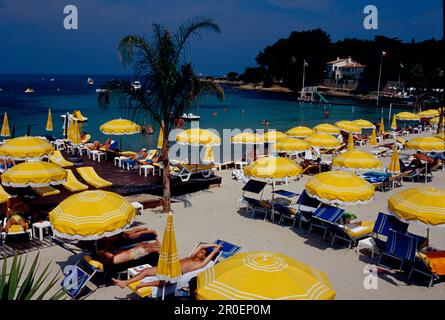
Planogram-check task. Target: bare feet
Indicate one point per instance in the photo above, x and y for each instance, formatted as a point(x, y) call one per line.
point(121, 284)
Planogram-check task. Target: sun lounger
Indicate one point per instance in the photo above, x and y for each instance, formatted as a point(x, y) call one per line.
point(58, 158)
point(306, 206)
point(45, 191)
point(72, 184)
point(15, 231)
point(77, 278)
point(323, 216)
point(185, 171)
point(352, 233)
point(92, 178)
point(430, 264)
point(252, 204)
point(401, 247)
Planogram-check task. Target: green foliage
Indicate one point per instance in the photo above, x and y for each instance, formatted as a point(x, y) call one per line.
point(18, 286)
point(284, 59)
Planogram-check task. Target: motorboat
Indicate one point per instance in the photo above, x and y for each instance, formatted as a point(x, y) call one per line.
point(190, 116)
point(29, 90)
point(76, 116)
point(90, 81)
point(136, 85)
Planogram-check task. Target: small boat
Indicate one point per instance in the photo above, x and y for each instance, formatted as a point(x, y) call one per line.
point(90, 81)
point(101, 90)
point(76, 115)
point(136, 85)
point(190, 116)
point(52, 80)
point(29, 90)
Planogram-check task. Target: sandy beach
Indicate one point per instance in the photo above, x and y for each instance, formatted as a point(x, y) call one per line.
point(214, 214)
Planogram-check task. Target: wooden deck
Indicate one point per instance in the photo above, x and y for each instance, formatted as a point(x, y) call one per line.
point(147, 190)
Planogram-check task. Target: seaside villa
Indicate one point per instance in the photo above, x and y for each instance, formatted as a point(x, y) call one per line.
point(346, 68)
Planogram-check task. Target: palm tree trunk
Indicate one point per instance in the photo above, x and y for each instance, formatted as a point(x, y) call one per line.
point(166, 203)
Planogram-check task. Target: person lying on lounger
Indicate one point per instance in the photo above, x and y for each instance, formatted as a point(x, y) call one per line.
point(197, 260)
point(106, 246)
point(18, 211)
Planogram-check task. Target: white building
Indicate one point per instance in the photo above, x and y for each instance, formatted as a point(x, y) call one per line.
point(347, 69)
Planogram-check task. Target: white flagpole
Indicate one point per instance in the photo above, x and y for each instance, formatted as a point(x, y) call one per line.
point(380, 77)
point(304, 75)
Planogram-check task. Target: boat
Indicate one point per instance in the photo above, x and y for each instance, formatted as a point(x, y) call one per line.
point(101, 90)
point(52, 80)
point(76, 115)
point(90, 81)
point(29, 90)
point(190, 116)
point(136, 85)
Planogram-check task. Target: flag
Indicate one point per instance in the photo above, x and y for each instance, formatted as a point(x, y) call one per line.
point(384, 53)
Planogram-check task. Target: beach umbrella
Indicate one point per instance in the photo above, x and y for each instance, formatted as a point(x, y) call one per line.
point(441, 135)
point(351, 142)
point(340, 188)
point(4, 196)
point(66, 125)
point(198, 137)
point(326, 128)
point(161, 136)
point(373, 140)
point(5, 127)
point(74, 133)
point(272, 169)
point(263, 276)
point(394, 164)
point(431, 113)
point(299, 132)
point(382, 126)
point(274, 136)
point(357, 160)
point(92, 215)
point(425, 205)
point(349, 127)
point(26, 148)
point(119, 127)
point(426, 144)
point(34, 174)
point(49, 122)
point(169, 268)
point(247, 138)
point(290, 145)
point(407, 116)
point(435, 120)
point(208, 155)
point(322, 141)
point(394, 122)
point(364, 124)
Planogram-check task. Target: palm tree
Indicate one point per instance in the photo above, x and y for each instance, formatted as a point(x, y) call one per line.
point(169, 84)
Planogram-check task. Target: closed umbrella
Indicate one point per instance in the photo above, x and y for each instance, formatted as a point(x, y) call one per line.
point(373, 140)
point(394, 164)
point(49, 122)
point(5, 127)
point(394, 122)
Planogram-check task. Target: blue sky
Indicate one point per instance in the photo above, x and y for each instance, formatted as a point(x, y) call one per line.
point(34, 40)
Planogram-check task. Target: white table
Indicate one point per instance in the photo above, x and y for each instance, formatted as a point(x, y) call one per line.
point(368, 243)
point(118, 161)
point(96, 155)
point(40, 226)
point(138, 206)
point(146, 168)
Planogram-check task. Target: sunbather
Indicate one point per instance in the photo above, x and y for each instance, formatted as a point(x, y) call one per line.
point(134, 159)
point(197, 260)
point(18, 212)
point(8, 162)
point(97, 145)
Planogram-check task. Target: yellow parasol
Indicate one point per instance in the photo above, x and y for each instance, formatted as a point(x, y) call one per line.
point(26, 148)
point(426, 144)
point(431, 113)
point(263, 276)
point(5, 127)
point(326, 128)
point(119, 127)
point(425, 205)
point(351, 142)
point(198, 137)
point(34, 174)
point(357, 160)
point(247, 138)
point(290, 145)
point(322, 141)
point(272, 169)
point(300, 132)
point(373, 140)
point(394, 122)
point(49, 122)
point(74, 133)
point(407, 116)
point(349, 127)
point(161, 136)
point(340, 187)
point(92, 215)
point(168, 268)
point(382, 126)
point(364, 124)
point(394, 164)
point(274, 136)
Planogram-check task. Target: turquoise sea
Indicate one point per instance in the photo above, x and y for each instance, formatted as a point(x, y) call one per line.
point(244, 109)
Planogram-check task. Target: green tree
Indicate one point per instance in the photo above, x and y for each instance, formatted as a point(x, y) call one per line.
point(169, 83)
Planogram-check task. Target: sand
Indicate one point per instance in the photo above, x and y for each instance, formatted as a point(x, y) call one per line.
point(213, 214)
